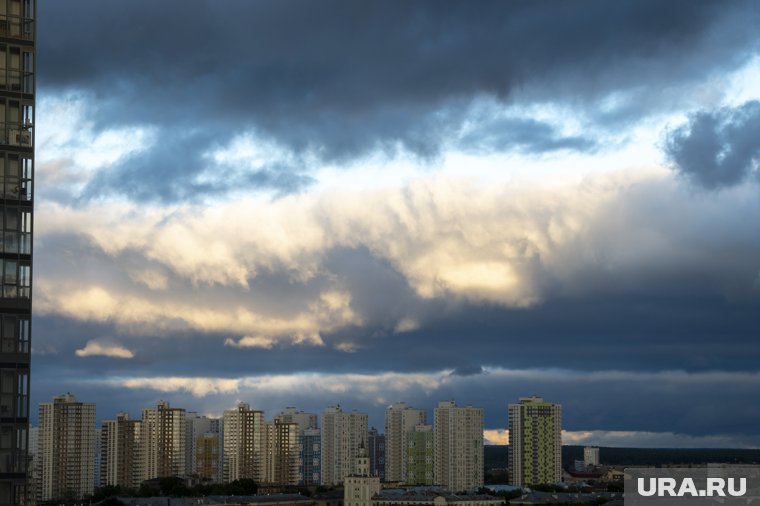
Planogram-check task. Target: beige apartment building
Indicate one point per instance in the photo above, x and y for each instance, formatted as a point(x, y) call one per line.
point(120, 452)
point(66, 449)
point(163, 441)
point(400, 419)
point(342, 435)
point(244, 444)
point(282, 453)
point(208, 457)
point(458, 436)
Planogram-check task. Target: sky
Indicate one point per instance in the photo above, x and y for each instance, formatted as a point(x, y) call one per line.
point(297, 203)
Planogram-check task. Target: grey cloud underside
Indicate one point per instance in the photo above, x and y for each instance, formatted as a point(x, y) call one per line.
point(660, 404)
point(636, 322)
point(718, 148)
point(175, 169)
point(340, 79)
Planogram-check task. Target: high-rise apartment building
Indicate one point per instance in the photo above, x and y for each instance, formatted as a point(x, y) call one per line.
point(535, 442)
point(282, 453)
point(163, 439)
point(17, 120)
point(303, 419)
point(244, 444)
point(376, 452)
point(458, 435)
point(197, 426)
point(208, 457)
point(399, 420)
point(342, 434)
point(420, 456)
point(66, 449)
point(308, 444)
point(33, 469)
point(590, 456)
point(120, 457)
point(310, 457)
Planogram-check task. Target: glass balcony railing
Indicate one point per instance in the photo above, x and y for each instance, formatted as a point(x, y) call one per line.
point(16, 80)
point(16, 134)
point(15, 188)
point(17, 27)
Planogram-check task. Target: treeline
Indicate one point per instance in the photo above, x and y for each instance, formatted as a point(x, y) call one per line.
point(495, 456)
point(175, 487)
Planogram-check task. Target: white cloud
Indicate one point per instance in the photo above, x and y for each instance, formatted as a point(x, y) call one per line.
point(198, 387)
point(251, 342)
point(103, 349)
point(372, 385)
point(496, 436)
point(510, 244)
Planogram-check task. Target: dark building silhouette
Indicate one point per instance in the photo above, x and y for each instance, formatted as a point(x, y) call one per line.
point(17, 92)
point(376, 448)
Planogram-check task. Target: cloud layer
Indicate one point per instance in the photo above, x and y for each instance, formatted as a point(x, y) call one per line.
point(286, 203)
point(718, 148)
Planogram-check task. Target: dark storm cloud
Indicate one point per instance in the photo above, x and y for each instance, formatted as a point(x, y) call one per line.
point(608, 398)
point(718, 148)
point(338, 79)
point(176, 168)
point(467, 370)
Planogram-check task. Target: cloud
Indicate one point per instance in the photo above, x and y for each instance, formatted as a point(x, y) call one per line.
point(376, 386)
point(663, 405)
point(467, 370)
point(356, 81)
point(718, 148)
point(299, 268)
point(102, 349)
point(644, 439)
point(496, 134)
point(263, 342)
point(496, 436)
point(198, 387)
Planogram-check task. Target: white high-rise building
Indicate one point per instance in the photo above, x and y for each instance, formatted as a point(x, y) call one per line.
point(244, 444)
point(400, 419)
point(535, 442)
point(458, 436)
point(590, 456)
point(342, 435)
point(66, 448)
point(163, 439)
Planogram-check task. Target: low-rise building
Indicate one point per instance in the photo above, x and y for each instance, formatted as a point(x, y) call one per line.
point(432, 497)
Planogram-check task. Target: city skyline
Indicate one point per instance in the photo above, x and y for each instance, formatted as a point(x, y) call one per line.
point(299, 204)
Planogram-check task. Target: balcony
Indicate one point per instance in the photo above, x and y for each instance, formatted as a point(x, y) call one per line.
point(16, 134)
point(16, 80)
point(17, 27)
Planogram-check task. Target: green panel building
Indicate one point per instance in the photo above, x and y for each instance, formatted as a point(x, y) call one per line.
point(420, 456)
point(535, 442)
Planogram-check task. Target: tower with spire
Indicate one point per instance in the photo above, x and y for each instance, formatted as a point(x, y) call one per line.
point(359, 488)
